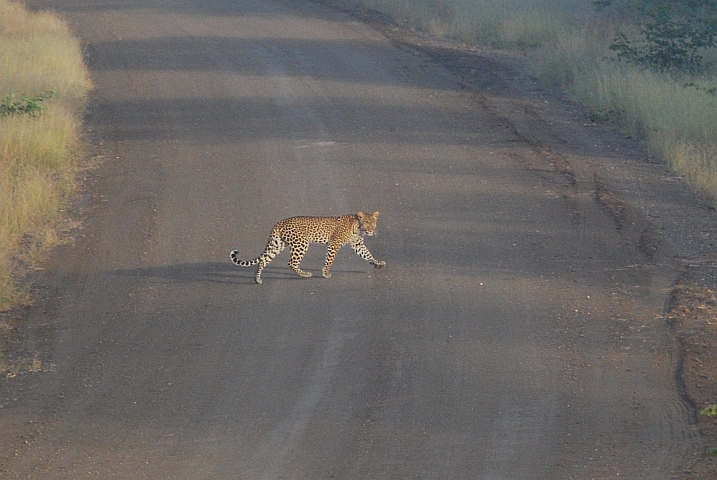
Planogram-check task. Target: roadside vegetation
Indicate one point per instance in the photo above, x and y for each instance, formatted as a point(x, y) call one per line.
point(43, 87)
point(647, 65)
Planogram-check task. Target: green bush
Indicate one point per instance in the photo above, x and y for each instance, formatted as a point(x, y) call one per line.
point(710, 411)
point(27, 105)
point(673, 36)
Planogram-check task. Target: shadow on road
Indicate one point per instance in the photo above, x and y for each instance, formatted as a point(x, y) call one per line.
point(216, 272)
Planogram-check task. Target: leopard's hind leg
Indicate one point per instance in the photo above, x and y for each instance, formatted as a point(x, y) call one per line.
point(298, 250)
point(273, 248)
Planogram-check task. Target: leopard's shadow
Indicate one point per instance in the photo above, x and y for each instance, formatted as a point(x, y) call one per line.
point(216, 272)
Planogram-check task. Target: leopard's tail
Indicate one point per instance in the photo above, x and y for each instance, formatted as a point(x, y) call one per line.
point(242, 263)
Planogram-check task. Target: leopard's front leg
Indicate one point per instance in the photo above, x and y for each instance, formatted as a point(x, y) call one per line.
point(330, 257)
point(362, 250)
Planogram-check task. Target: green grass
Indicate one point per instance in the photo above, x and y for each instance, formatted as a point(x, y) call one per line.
point(40, 144)
point(567, 44)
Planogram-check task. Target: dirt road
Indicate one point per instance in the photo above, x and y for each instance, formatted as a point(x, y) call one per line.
point(517, 331)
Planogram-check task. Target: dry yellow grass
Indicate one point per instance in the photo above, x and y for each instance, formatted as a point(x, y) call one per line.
point(38, 154)
point(677, 123)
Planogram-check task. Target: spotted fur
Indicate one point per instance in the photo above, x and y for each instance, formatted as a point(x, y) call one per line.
point(299, 232)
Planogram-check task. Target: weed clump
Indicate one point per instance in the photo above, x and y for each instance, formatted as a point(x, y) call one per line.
point(32, 106)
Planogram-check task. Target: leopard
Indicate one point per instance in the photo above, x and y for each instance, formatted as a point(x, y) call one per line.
point(299, 232)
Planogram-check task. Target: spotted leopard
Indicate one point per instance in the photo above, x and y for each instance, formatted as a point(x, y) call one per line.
point(299, 232)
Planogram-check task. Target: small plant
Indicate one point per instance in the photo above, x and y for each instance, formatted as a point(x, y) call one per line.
point(25, 105)
point(712, 91)
point(673, 36)
point(709, 412)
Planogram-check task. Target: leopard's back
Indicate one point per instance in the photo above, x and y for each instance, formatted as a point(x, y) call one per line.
point(317, 229)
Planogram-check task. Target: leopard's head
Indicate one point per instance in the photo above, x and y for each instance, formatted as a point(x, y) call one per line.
point(368, 222)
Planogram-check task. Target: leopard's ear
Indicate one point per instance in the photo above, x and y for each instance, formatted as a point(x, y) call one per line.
point(375, 214)
point(361, 214)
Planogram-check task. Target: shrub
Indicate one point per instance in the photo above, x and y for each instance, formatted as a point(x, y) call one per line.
point(673, 36)
point(31, 106)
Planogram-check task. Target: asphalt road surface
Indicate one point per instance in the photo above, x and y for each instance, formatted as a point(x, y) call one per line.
point(512, 334)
